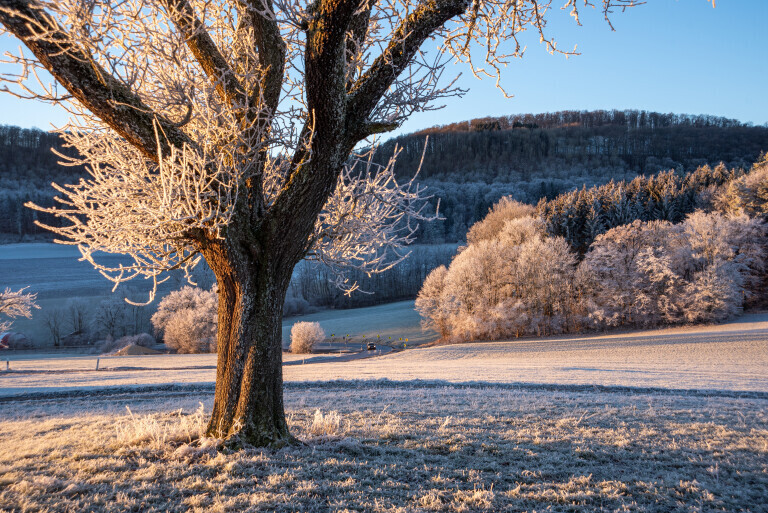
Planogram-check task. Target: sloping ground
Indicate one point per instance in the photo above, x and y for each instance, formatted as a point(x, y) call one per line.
point(383, 440)
point(731, 357)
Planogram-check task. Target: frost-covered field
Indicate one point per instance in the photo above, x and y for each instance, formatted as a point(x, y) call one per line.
point(53, 272)
point(732, 357)
point(666, 420)
point(386, 447)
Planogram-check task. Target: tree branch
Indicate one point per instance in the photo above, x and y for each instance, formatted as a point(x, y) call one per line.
point(271, 48)
point(404, 43)
point(311, 182)
point(358, 28)
point(206, 52)
point(97, 90)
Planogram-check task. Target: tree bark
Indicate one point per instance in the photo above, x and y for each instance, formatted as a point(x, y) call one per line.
point(248, 405)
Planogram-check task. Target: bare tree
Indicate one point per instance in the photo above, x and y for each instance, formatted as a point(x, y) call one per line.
point(224, 129)
point(54, 320)
point(79, 315)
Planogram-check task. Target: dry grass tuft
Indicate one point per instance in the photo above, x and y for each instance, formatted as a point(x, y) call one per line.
point(159, 430)
point(327, 425)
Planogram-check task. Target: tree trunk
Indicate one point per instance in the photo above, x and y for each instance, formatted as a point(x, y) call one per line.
point(248, 405)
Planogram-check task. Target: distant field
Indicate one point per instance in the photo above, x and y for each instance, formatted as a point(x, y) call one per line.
point(731, 357)
point(54, 272)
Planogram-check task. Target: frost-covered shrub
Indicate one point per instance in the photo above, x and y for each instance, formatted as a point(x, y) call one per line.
point(522, 229)
point(609, 277)
point(192, 331)
point(142, 339)
point(517, 282)
point(429, 303)
point(748, 194)
point(187, 320)
point(304, 336)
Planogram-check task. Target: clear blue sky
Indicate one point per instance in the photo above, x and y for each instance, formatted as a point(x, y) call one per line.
point(678, 56)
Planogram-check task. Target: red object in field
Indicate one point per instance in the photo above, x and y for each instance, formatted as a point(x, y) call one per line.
point(5, 339)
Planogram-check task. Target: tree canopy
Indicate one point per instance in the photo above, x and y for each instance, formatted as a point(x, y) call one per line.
point(223, 130)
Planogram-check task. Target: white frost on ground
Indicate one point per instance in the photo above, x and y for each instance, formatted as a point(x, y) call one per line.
point(383, 442)
point(393, 448)
point(724, 357)
point(731, 356)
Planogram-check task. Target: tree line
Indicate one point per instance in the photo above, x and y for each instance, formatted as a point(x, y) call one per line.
point(700, 258)
point(520, 147)
point(469, 165)
point(581, 215)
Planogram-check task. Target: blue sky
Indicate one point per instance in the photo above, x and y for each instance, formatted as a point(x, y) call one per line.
point(678, 56)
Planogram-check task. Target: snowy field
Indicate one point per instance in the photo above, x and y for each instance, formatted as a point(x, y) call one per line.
point(731, 357)
point(53, 271)
point(660, 421)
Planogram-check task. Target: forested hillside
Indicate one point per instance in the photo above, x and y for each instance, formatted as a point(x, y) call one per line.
point(469, 165)
point(28, 165)
point(563, 144)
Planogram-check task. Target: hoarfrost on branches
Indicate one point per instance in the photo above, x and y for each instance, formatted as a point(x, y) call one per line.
point(224, 129)
point(16, 304)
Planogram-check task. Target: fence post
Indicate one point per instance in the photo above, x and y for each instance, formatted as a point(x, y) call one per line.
point(97, 363)
point(7, 365)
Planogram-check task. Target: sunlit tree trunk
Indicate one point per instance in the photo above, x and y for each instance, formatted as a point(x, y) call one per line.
point(248, 405)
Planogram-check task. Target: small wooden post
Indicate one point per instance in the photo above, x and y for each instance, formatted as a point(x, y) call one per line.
point(97, 363)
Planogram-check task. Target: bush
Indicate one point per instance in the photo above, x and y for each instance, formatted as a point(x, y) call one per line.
point(142, 339)
point(187, 319)
point(191, 331)
point(304, 336)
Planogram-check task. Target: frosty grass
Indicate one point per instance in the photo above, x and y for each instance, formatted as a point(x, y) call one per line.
point(384, 446)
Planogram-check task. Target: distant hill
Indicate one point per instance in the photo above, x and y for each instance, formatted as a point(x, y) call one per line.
point(27, 167)
point(568, 143)
point(469, 165)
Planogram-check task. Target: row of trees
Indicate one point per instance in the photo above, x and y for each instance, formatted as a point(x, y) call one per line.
point(469, 165)
point(630, 119)
point(516, 277)
point(28, 153)
point(581, 215)
point(29, 162)
point(81, 322)
point(461, 203)
point(524, 147)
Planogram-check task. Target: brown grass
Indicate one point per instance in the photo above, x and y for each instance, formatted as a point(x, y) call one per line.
point(395, 449)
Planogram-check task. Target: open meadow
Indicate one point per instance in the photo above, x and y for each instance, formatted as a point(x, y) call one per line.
point(55, 274)
point(666, 420)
